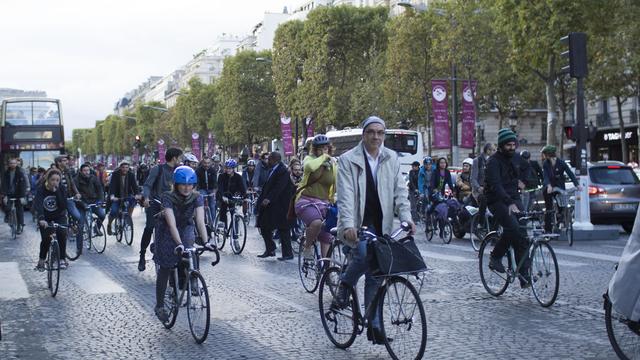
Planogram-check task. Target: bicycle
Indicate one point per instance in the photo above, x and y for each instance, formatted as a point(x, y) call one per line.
point(73, 248)
point(252, 198)
point(563, 209)
point(480, 227)
point(52, 263)
point(208, 217)
point(95, 234)
point(431, 225)
point(311, 270)
point(404, 315)
point(236, 228)
point(123, 222)
point(197, 300)
point(543, 272)
point(13, 217)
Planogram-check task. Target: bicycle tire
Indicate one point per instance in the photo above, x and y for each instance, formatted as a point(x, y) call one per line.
point(219, 233)
point(127, 230)
point(335, 253)
point(89, 231)
point(542, 270)
point(242, 235)
point(495, 283)
point(71, 252)
point(569, 224)
point(54, 268)
point(447, 233)
point(429, 228)
point(99, 243)
point(331, 317)
point(198, 304)
point(618, 328)
point(208, 221)
point(476, 232)
point(171, 305)
point(118, 228)
point(389, 321)
point(13, 223)
point(308, 270)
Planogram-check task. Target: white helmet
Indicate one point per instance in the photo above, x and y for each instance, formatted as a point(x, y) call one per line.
point(468, 161)
point(190, 158)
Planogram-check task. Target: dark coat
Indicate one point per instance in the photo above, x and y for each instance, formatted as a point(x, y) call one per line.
point(131, 187)
point(90, 188)
point(207, 177)
point(554, 175)
point(435, 179)
point(279, 189)
point(20, 186)
point(501, 180)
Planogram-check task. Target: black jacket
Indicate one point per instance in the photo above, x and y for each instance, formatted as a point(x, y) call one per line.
point(207, 178)
point(435, 179)
point(531, 172)
point(413, 180)
point(50, 205)
point(19, 185)
point(278, 189)
point(90, 188)
point(501, 179)
point(230, 184)
point(115, 185)
point(554, 175)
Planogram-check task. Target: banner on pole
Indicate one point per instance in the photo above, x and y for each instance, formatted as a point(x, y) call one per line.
point(468, 114)
point(195, 145)
point(287, 138)
point(161, 151)
point(210, 144)
point(440, 108)
point(310, 127)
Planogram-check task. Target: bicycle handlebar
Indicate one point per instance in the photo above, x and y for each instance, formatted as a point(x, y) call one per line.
point(369, 236)
point(55, 225)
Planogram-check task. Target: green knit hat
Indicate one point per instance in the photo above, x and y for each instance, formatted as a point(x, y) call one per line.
point(506, 135)
point(549, 149)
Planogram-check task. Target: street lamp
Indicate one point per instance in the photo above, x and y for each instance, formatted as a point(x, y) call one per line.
point(513, 120)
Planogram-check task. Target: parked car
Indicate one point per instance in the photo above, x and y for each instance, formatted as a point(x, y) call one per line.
point(614, 194)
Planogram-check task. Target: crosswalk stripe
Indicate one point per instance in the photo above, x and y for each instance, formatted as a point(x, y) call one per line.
point(435, 255)
point(587, 255)
point(91, 280)
point(11, 282)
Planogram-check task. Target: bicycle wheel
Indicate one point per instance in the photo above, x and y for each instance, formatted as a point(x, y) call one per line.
point(340, 325)
point(72, 251)
point(308, 269)
point(99, 243)
point(118, 228)
point(198, 307)
point(624, 334)
point(208, 221)
point(447, 232)
point(54, 268)
point(239, 237)
point(335, 253)
point(171, 305)
point(403, 319)
point(13, 223)
point(545, 275)
point(127, 229)
point(219, 233)
point(568, 221)
point(429, 228)
point(494, 282)
point(478, 230)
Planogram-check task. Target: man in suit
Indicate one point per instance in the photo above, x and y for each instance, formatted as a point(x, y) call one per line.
point(274, 205)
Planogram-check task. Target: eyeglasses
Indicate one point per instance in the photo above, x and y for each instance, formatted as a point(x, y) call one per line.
point(373, 132)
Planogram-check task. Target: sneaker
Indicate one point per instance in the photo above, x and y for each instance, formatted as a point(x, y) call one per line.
point(40, 266)
point(64, 264)
point(307, 253)
point(141, 263)
point(341, 300)
point(495, 264)
point(161, 313)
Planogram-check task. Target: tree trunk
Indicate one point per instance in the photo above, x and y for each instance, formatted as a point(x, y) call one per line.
point(623, 141)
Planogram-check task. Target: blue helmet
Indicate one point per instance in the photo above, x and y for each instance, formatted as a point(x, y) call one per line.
point(320, 140)
point(427, 160)
point(231, 163)
point(184, 175)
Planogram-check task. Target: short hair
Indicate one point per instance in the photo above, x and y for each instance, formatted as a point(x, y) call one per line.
point(60, 157)
point(276, 155)
point(486, 147)
point(84, 166)
point(172, 153)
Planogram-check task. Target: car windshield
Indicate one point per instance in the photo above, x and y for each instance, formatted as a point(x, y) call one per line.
point(613, 175)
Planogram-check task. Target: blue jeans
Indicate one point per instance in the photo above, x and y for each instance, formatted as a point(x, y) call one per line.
point(73, 211)
point(115, 205)
point(211, 201)
point(358, 266)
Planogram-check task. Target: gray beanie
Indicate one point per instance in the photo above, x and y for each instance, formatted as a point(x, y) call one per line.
point(372, 120)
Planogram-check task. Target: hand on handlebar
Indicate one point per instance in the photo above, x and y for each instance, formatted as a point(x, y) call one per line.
point(225, 199)
point(145, 203)
point(42, 223)
point(179, 249)
point(210, 246)
point(78, 196)
point(351, 234)
point(513, 209)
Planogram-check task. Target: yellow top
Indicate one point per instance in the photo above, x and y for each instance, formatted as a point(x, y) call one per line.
point(322, 173)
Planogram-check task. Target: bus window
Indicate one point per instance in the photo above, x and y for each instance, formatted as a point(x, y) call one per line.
point(402, 143)
point(19, 113)
point(46, 113)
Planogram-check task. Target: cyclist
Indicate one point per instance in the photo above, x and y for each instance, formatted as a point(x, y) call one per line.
point(424, 181)
point(414, 193)
point(190, 160)
point(441, 177)
point(176, 230)
point(315, 192)
point(371, 190)
point(229, 183)
point(122, 186)
point(477, 179)
point(91, 190)
point(217, 167)
point(463, 182)
point(503, 199)
point(249, 175)
point(14, 185)
point(61, 163)
point(532, 174)
point(208, 183)
point(553, 170)
point(51, 205)
point(141, 173)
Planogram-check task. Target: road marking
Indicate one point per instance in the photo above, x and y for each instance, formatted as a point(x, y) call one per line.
point(435, 255)
point(570, 263)
point(588, 255)
point(90, 279)
point(11, 282)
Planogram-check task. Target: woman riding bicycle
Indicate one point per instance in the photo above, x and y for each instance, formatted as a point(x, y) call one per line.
point(315, 192)
point(175, 229)
point(553, 169)
point(51, 206)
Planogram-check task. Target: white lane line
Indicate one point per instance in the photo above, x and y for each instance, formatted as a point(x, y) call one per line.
point(11, 282)
point(587, 255)
point(90, 279)
point(568, 263)
point(434, 255)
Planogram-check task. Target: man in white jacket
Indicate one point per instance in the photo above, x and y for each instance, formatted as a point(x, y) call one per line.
point(370, 187)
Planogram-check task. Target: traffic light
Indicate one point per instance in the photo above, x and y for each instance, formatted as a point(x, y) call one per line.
point(137, 143)
point(577, 54)
point(571, 132)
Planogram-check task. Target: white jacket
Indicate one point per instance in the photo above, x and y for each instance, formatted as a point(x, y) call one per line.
point(351, 185)
point(624, 287)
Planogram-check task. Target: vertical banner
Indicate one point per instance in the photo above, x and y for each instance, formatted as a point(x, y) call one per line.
point(287, 138)
point(440, 108)
point(161, 151)
point(210, 142)
point(195, 145)
point(468, 114)
point(135, 156)
point(310, 127)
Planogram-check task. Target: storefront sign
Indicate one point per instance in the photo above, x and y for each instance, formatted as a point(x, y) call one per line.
point(615, 136)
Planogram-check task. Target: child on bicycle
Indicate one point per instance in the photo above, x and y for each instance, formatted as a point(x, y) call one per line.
point(51, 206)
point(175, 230)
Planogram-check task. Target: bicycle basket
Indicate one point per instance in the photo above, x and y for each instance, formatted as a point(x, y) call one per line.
point(396, 257)
point(563, 199)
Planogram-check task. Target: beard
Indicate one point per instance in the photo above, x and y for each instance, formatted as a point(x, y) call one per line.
point(508, 152)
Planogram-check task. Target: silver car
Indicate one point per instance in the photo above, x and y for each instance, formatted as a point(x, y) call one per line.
point(614, 194)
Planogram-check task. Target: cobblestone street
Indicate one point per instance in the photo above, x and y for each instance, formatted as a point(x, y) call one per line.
point(104, 308)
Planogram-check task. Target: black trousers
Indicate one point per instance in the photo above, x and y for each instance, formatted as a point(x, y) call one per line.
point(19, 211)
point(152, 210)
point(45, 240)
point(548, 206)
point(285, 240)
point(512, 234)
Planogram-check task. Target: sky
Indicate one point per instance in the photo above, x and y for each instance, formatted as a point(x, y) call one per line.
point(89, 53)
